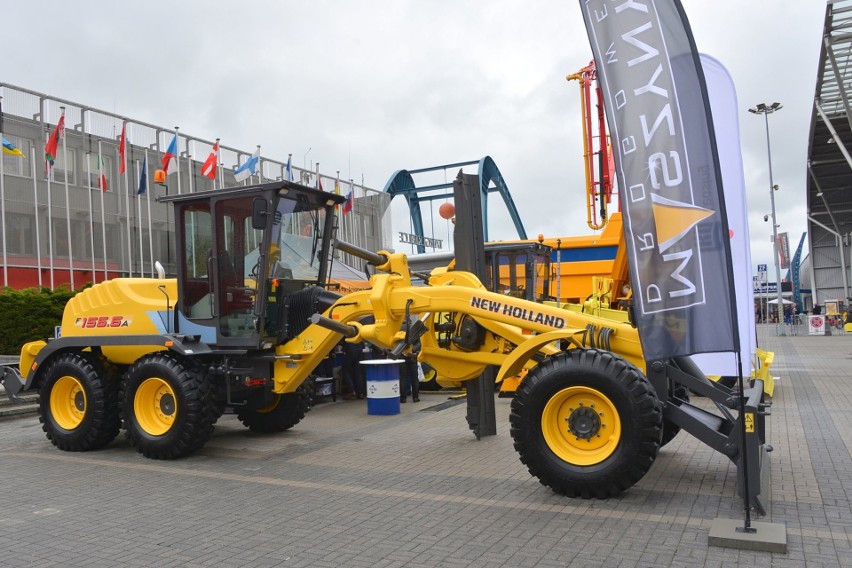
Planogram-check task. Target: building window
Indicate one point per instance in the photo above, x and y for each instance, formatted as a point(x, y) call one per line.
point(60, 169)
point(16, 165)
point(20, 234)
point(93, 170)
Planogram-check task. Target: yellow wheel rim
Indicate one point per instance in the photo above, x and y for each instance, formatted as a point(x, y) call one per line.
point(68, 402)
point(155, 406)
point(581, 426)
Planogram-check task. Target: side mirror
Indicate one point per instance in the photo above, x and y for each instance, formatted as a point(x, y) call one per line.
point(259, 212)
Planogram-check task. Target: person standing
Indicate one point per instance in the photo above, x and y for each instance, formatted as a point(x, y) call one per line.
point(409, 382)
point(352, 374)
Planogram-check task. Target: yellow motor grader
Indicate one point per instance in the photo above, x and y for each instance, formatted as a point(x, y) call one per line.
point(249, 317)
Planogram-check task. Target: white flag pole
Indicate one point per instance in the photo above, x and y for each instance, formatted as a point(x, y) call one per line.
point(216, 171)
point(259, 166)
point(49, 171)
point(91, 213)
point(190, 167)
point(101, 169)
point(35, 209)
point(67, 206)
point(127, 211)
point(139, 224)
point(150, 230)
point(220, 167)
point(3, 213)
point(177, 158)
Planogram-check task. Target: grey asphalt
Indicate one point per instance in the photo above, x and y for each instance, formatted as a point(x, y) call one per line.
point(344, 488)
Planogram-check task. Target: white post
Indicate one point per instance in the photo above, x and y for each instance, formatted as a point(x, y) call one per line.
point(139, 226)
point(190, 168)
point(220, 167)
point(3, 213)
point(68, 208)
point(103, 215)
point(177, 158)
point(50, 228)
point(259, 166)
point(91, 214)
point(150, 229)
point(35, 209)
point(127, 212)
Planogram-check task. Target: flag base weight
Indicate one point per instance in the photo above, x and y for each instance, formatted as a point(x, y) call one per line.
point(766, 537)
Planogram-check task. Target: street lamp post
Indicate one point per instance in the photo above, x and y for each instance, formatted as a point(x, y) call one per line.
point(766, 110)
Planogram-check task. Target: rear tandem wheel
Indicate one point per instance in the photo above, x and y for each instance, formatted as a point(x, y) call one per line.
point(587, 423)
point(169, 406)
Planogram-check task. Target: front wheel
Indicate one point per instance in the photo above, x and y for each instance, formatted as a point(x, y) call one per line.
point(586, 423)
point(78, 404)
point(284, 412)
point(169, 408)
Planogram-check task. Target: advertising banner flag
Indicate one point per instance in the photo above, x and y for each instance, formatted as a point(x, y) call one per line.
point(723, 102)
point(667, 167)
point(784, 250)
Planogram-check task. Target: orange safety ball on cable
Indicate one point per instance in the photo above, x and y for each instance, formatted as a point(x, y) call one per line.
point(447, 210)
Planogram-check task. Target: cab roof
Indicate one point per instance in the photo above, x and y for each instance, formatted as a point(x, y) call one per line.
point(293, 190)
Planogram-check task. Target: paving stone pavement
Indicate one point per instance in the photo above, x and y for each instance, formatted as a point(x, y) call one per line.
point(344, 488)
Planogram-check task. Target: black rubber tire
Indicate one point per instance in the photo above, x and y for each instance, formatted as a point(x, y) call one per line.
point(639, 412)
point(286, 411)
point(670, 429)
point(100, 422)
point(309, 389)
point(196, 406)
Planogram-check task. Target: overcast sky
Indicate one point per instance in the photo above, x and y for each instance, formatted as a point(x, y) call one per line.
point(374, 86)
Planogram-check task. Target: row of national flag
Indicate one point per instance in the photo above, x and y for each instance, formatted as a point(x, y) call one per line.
point(169, 162)
point(11, 149)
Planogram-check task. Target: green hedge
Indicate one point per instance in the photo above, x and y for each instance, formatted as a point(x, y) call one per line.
point(29, 315)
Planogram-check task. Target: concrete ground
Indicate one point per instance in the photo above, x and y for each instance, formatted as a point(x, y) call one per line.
point(344, 488)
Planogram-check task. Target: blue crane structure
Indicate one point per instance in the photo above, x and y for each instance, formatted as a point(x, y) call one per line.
point(402, 183)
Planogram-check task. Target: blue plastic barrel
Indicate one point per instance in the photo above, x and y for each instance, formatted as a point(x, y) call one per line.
point(382, 386)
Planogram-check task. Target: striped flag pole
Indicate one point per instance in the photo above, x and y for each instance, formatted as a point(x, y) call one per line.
point(35, 209)
point(150, 230)
point(103, 214)
point(67, 207)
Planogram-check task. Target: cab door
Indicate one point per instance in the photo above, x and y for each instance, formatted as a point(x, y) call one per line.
point(218, 297)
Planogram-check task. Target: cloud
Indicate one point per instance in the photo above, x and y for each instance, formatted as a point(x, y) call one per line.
point(370, 87)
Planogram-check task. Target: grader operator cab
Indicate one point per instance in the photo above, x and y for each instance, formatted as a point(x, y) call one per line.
point(248, 318)
point(169, 356)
